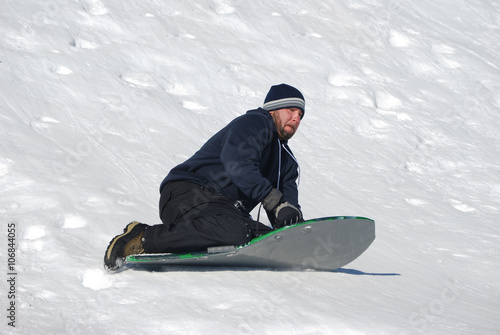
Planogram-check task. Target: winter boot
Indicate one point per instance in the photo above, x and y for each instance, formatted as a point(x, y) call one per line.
point(128, 243)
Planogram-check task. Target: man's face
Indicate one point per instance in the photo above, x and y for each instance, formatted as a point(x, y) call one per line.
point(287, 121)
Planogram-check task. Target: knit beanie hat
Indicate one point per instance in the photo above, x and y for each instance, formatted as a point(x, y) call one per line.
point(284, 96)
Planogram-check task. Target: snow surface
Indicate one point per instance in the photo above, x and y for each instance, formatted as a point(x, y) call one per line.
point(99, 99)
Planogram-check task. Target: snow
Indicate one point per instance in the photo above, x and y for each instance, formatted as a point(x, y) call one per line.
point(99, 99)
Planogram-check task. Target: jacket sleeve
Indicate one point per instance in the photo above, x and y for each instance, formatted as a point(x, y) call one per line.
point(242, 146)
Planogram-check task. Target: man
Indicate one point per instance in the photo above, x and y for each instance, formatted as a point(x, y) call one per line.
point(206, 201)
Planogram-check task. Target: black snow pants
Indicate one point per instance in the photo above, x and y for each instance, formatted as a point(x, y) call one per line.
point(195, 218)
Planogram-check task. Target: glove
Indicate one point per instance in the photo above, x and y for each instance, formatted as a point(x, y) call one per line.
point(287, 214)
point(284, 212)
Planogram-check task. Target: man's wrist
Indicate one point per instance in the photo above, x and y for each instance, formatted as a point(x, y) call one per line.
point(272, 200)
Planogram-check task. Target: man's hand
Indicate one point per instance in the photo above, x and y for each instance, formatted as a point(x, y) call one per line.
point(287, 214)
point(284, 212)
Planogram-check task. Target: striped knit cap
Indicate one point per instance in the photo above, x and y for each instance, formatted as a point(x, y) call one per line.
point(284, 96)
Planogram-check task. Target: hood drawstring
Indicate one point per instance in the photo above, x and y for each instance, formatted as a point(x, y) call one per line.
point(279, 165)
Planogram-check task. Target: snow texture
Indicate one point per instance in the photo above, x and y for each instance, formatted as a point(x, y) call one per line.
point(99, 99)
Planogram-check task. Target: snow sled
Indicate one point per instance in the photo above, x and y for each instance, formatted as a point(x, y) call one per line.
point(321, 244)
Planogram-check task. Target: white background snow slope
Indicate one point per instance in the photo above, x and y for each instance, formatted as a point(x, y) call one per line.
point(99, 99)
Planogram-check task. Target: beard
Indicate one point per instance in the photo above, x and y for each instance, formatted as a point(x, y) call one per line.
point(283, 134)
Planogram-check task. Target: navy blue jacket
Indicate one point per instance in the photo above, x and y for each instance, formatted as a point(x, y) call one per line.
point(242, 162)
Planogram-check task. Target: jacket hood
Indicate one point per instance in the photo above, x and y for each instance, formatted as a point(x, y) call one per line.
point(267, 116)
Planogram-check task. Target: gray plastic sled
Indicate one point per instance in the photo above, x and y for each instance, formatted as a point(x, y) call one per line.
point(322, 244)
